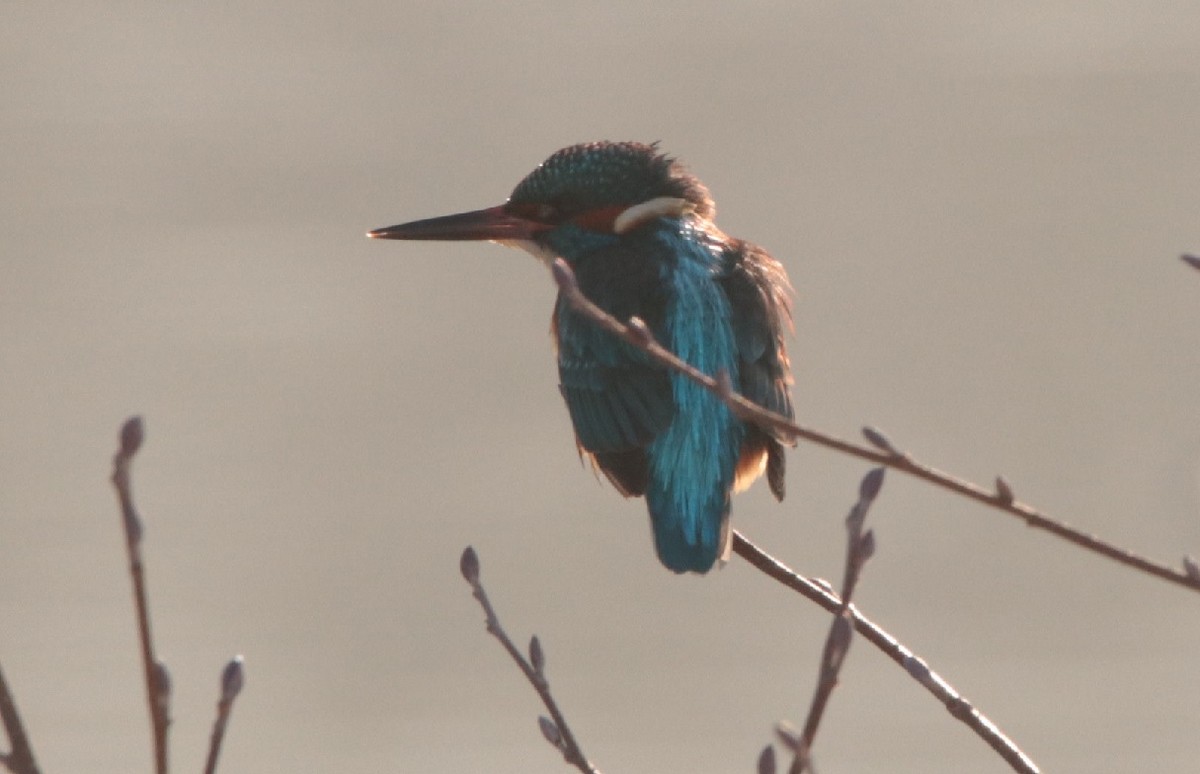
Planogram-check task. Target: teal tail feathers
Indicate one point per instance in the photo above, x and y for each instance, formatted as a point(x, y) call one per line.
point(688, 540)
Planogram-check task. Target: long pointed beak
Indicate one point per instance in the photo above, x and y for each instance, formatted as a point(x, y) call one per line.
point(494, 223)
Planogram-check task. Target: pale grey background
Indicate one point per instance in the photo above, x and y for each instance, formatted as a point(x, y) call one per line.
point(980, 205)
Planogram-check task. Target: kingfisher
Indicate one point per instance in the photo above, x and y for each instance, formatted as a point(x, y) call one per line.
point(637, 229)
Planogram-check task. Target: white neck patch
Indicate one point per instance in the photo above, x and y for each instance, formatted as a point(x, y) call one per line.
point(660, 207)
point(543, 254)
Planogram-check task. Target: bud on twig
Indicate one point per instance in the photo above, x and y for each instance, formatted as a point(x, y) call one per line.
point(868, 490)
point(1191, 568)
point(878, 440)
point(133, 432)
point(917, 669)
point(637, 326)
point(162, 686)
point(1004, 492)
point(788, 736)
point(233, 677)
point(469, 565)
point(550, 731)
point(866, 545)
point(536, 657)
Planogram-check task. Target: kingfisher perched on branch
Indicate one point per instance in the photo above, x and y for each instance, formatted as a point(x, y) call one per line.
point(637, 230)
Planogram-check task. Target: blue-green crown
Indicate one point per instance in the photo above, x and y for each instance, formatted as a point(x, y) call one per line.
point(605, 174)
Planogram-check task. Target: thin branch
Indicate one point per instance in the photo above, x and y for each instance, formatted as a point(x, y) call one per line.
point(233, 677)
point(554, 728)
point(955, 703)
point(158, 685)
point(638, 335)
point(860, 546)
point(19, 760)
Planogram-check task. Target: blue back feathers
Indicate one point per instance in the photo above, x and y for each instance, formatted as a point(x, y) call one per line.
point(692, 463)
point(631, 413)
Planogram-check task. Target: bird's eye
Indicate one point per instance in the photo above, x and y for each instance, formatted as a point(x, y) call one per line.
point(547, 213)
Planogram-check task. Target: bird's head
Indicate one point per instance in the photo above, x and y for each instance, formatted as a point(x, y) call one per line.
point(582, 195)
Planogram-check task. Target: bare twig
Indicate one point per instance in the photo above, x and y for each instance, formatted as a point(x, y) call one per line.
point(636, 334)
point(954, 702)
point(18, 760)
point(157, 680)
point(233, 677)
point(860, 546)
point(555, 728)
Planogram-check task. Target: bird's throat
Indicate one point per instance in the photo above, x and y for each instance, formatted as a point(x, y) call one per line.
point(539, 251)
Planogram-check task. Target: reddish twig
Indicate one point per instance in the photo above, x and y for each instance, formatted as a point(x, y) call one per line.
point(637, 334)
point(158, 684)
point(555, 728)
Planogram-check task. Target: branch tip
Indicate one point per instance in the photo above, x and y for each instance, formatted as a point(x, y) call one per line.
point(233, 678)
point(133, 432)
point(469, 565)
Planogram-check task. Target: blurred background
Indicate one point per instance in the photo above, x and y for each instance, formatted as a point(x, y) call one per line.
point(980, 205)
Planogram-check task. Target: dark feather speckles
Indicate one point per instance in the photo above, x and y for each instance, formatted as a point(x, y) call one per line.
point(597, 175)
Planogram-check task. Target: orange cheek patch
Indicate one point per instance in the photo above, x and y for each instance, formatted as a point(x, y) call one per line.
point(600, 219)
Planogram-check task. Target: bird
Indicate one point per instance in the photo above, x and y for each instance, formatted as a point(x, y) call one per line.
point(637, 229)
